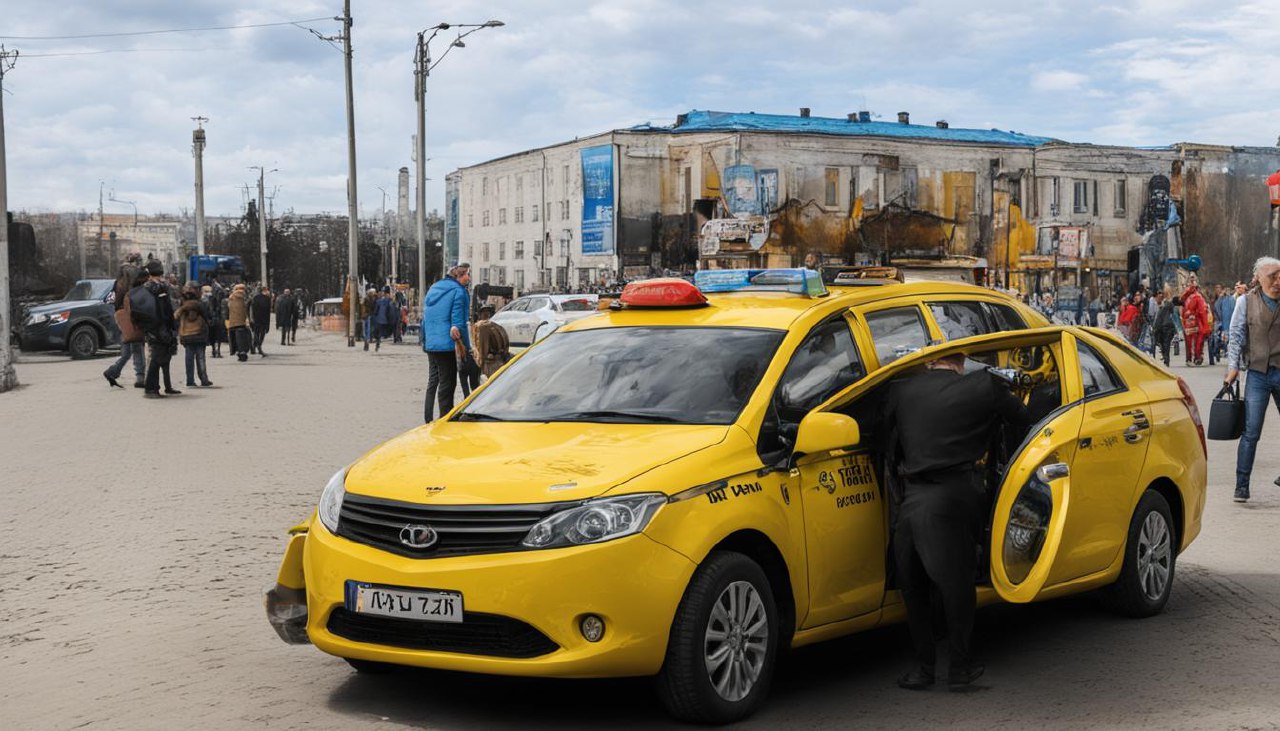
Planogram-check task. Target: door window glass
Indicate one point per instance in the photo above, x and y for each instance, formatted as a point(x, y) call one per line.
point(959, 319)
point(897, 332)
point(824, 364)
point(1096, 376)
point(1006, 318)
point(538, 303)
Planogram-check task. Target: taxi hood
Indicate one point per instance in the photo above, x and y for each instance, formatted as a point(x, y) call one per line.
point(503, 463)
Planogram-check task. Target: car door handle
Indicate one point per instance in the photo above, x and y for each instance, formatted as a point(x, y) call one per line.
point(1137, 427)
point(1133, 438)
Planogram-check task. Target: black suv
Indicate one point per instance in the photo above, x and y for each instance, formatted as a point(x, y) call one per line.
point(80, 323)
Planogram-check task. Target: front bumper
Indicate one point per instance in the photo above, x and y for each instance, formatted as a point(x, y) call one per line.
point(35, 338)
point(634, 584)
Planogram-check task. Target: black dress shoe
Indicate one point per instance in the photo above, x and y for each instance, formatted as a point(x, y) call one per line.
point(960, 677)
point(152, 394)
point(139, 384)
point(918, 679)
point(1278, 482)
point(172, 392)
point(112, 381)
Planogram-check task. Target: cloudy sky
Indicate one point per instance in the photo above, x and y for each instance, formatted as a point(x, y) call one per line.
point(1133, 72)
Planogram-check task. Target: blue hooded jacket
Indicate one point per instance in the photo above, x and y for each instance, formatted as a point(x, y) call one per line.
point(446, 305)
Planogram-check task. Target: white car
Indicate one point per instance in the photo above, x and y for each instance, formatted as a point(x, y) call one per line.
point(533, 317)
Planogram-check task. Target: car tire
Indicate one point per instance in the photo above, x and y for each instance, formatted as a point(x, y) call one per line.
point(82, 343)
point(688, 686)
point(371, 667)
point(1150, 556)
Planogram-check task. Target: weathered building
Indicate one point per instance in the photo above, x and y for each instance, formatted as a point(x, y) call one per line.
point(731, 189)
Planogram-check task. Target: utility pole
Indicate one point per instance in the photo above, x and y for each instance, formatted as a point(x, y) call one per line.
point(8, 376)
point(262, 220)
point(353, 231)
point(422, 65)
point(197, 149)
point(83, 274)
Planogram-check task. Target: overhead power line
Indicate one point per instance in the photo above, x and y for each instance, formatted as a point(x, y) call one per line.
point(116, 50)
point(158, 32)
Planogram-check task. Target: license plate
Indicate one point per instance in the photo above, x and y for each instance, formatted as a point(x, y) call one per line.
point(425, 605)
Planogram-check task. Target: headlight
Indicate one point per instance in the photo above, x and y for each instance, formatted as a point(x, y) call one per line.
point(595, 521)
point(331, 500)
point(1028, 522)
point(36, 319)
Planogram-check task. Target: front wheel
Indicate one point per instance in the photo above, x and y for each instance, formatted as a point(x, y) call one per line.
point(1146, 579)
point(724, 643)
point(83, 343)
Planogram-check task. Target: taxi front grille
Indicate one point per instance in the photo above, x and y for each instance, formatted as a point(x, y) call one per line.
point(461, 529)
point(477, 634)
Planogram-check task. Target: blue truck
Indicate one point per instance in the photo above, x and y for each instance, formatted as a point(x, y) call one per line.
point(226, 270)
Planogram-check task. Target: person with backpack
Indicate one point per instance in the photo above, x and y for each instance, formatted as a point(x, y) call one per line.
point(493, 347)
point(236, 313)
point(193, 318)
point(153, 314)
point(131, 341)
point(212, 296)
point(1163, 329)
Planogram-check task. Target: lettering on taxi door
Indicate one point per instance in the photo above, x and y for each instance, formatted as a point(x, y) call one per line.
point(853, 471)
point(721, 494)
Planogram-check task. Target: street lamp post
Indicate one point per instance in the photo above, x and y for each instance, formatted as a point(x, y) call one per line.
point(422, 66)
point(262, 220)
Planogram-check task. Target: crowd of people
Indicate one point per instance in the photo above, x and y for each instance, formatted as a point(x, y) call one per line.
point(156, 316)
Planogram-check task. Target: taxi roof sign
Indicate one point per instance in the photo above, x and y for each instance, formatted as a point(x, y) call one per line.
point(663, 292)
point(805, 282)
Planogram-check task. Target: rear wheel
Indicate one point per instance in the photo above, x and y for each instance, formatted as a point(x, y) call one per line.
point(1150, 554)
point(83, 342)
point(724, 643)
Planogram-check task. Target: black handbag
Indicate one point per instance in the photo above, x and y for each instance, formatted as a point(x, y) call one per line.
point(1226, 414)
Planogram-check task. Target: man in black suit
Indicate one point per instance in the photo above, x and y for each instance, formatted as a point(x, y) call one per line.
point(941, 423)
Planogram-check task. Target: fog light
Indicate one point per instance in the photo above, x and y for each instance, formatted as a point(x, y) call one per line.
point(592, 628)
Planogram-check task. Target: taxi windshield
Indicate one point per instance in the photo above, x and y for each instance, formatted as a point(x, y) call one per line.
point(631, 375)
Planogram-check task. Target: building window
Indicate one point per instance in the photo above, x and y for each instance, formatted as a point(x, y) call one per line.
point(1080, 197)
point(519, 213)
point(471, 252)
point(564, 210)
point(484, 186)
point(832, 178)
point(534, 210)
point(519, 283)
point(484, 218)
point(548, 210)
point(502, 250)
point(1055, 196)
point(517, 250)
point(1121, 197)
point(484, 251)
point(471, 220)
point(566, 177)
point(519, 183)
point(501, 279)
point(502, 216)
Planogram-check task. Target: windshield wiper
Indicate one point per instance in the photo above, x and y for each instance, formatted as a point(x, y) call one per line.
point(476, 416)
point(613, 414)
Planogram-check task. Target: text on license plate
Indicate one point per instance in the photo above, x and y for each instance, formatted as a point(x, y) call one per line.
point(390, 601)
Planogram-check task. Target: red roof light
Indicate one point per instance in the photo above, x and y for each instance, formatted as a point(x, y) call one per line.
point(671, 292)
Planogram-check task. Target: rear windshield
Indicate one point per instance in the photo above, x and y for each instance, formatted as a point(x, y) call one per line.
point(577, 305)
point(631, 375)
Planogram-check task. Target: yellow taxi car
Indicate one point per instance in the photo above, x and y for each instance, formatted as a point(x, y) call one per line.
point(689, 483)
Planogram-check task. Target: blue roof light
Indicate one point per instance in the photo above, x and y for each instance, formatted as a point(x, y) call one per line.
point(796, 281)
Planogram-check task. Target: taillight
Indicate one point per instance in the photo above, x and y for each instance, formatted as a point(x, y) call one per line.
point(1189, 401)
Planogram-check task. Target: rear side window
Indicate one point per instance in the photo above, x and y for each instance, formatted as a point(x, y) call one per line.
point(897, 332)
point(824, 364)
point(960, 319)
point(1005, 317)
point(1095, 374)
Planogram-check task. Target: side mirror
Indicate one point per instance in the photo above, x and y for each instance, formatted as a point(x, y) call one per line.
point(823, 431)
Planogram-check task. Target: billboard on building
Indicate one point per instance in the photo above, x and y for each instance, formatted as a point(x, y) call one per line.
point(598, 233)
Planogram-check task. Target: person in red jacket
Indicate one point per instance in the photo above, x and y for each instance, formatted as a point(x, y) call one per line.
point(1195, 322)
point(1129, 322)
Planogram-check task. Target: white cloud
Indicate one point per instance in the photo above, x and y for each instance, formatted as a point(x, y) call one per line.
point(1058, 81)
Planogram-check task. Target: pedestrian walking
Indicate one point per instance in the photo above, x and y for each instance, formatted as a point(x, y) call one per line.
point(1162, 328)
point(384, 317)
point(444, 323)
point(132, 345)
point(260, 318)
point(236, 311)
point(367, 305)
point(299, 312)
point(941, 424)
point(1255, 345)
point(155, 318)
point(1130, 322)
point(492, 345)
point(285, 306)
point(209, 295)
point(1223, 307)
point(1195, 322)
point(193, 318)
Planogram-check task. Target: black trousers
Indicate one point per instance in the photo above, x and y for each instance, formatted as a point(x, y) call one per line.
point(1164, 338)
point(158, 358)
point(259, 334)
point(935, 553)
point(442, 381)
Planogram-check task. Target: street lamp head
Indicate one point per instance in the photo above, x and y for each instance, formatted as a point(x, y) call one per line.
point(494, 24)
point(443, 26)
point(458, 43)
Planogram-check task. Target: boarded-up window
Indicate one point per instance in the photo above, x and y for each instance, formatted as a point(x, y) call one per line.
point(1122, 195)
point(832, 187)
point(1080, 197)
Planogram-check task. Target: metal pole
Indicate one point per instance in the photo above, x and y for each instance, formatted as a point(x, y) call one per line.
point(353, 231)
point(8, 376)
point(197, 140)
point(262, 229)
point(420, 163)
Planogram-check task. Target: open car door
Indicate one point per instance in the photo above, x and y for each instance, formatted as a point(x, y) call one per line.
point(1029, 473)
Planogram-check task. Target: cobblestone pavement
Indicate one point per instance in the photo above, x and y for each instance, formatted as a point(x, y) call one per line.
point(136, 537)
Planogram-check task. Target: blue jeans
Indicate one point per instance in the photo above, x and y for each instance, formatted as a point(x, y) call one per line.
point(1257, 390)
point(136, 351)
point(195, 364)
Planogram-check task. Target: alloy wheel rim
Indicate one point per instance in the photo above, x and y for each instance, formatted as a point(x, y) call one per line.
point(736, 641)
point(81, 343)
point(1155, 556)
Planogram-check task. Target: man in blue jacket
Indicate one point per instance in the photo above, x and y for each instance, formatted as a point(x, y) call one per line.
point(444, 327)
